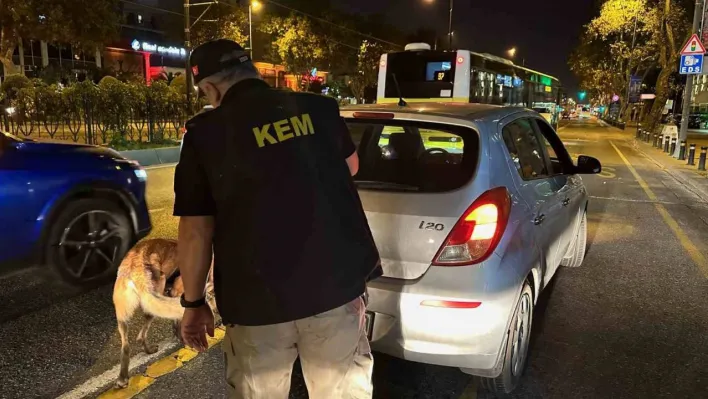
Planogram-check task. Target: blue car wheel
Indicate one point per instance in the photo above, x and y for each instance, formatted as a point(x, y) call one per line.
point(88, 240)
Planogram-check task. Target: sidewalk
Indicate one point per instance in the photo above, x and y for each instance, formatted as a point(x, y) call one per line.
point(694, 180)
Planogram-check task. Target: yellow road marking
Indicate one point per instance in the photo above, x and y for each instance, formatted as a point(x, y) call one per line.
point(470, 391)
point(159, 368)
point(608, 172)
point(686, 243)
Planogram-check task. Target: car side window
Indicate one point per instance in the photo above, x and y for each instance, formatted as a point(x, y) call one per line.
point(525, 149)
point(559, 159)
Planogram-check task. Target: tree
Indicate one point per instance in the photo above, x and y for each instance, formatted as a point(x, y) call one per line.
point(296, 45)
point(86, 24)
point(222, 21)
point(616, 45)
point(367, 70)
point(630, 37)
point(672, 31)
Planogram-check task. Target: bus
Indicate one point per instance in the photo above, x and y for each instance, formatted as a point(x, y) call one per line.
point(419, 74)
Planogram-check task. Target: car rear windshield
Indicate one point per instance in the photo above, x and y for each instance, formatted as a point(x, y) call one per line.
point(413, 156)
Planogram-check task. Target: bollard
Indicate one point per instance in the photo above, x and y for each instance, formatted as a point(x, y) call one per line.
point(691, 154)
point(648, 136)
point(639, 133)
point(657, 142)
point(673, 146)
point(682, 151)
point(666, 143)
point(702, 159)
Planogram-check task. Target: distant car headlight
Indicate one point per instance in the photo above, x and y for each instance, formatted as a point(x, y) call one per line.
point(141, 174)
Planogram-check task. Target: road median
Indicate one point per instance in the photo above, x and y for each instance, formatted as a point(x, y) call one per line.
point(154, 156)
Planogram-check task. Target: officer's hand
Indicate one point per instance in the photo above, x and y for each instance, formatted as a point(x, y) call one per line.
point(196, 323)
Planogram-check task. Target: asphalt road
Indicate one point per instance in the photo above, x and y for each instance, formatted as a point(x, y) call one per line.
point(630, 323)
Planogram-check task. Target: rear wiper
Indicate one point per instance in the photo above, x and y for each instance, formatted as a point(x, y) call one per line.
point(385, 185)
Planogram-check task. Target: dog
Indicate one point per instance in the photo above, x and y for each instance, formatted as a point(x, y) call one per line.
point(148, 278)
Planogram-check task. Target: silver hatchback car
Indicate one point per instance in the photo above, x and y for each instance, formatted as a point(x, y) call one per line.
point(473, 208)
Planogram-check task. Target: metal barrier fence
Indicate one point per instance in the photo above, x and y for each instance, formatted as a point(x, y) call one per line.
point(91, 122)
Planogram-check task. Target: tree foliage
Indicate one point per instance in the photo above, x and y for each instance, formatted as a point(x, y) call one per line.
point(86, 24)
point(367, 68)
point(295, 43)
point(222, 21)
point(629, 37)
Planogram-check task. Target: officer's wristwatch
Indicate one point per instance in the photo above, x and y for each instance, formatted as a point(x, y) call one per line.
point(191, 305)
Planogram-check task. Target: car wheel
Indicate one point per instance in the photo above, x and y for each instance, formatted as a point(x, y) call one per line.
point(87, 241)
point(517, 347)
point(578, 254)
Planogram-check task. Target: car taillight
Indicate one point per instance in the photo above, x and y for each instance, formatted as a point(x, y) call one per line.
point(477, 233)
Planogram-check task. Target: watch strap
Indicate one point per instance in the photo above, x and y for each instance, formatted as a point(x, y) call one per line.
point(193, 304)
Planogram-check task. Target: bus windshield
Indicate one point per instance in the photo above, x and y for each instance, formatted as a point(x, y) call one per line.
point(424, 74)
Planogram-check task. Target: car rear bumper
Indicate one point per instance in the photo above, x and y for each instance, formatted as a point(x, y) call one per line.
point(471, 339)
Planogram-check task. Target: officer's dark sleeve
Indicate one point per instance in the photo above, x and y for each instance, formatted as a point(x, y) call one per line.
point(347, 145)
point(192, 194)
point(344, 138)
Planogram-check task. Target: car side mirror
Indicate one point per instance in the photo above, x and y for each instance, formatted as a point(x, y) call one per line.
point(588, 165)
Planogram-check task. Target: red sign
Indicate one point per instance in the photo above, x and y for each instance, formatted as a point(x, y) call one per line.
point(693, 46)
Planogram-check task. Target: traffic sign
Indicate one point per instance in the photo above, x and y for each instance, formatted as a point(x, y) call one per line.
point(691, 64)
point(693, 46)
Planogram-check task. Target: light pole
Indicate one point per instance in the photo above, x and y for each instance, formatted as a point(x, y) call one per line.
point(449, 26)
point(686, 103)
point(188, 45)
point(255, 5)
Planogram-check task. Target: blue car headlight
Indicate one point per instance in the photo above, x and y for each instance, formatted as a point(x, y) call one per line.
point(141, 174)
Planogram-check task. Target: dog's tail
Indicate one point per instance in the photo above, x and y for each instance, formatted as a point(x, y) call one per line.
point(161, 306)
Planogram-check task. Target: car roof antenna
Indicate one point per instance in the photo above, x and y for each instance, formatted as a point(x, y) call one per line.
point(401, 101)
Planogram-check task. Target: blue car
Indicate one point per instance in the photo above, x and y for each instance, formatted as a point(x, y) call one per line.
point(75, 208)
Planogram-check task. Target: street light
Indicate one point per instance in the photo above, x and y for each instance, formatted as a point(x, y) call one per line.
point(449, 27)
point(255, 5)
point(512, 52)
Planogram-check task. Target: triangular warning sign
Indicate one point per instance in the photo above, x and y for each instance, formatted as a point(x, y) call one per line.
point(693, 46)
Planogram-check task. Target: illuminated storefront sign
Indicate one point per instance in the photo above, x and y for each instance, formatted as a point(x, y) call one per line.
point(154, 48)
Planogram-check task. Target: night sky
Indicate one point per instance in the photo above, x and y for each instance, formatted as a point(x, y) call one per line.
point(543, 31)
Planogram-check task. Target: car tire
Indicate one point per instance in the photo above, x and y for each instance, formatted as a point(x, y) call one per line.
point(87, 241)
point(517, 344)
point(579, 247)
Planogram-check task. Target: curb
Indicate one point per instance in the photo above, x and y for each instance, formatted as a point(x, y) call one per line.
point(679, 175)
point(160, 368)
point(154, 156)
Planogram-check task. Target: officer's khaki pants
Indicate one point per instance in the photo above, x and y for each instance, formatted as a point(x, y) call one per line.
point(334, 354)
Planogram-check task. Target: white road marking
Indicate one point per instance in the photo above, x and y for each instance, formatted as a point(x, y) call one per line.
point(106, 379)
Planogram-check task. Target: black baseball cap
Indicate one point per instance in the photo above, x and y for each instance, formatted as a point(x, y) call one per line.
point(216, 56)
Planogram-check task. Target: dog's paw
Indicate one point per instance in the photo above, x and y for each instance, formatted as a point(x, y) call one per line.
point(149, 349)
point(121, 383)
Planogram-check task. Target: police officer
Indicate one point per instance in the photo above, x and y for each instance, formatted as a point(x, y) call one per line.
point(265, 177)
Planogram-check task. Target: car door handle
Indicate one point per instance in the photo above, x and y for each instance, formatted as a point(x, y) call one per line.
point(566, 202)
point(539, 219)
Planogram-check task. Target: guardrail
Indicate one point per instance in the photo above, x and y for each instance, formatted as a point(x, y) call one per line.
point(154, 156)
